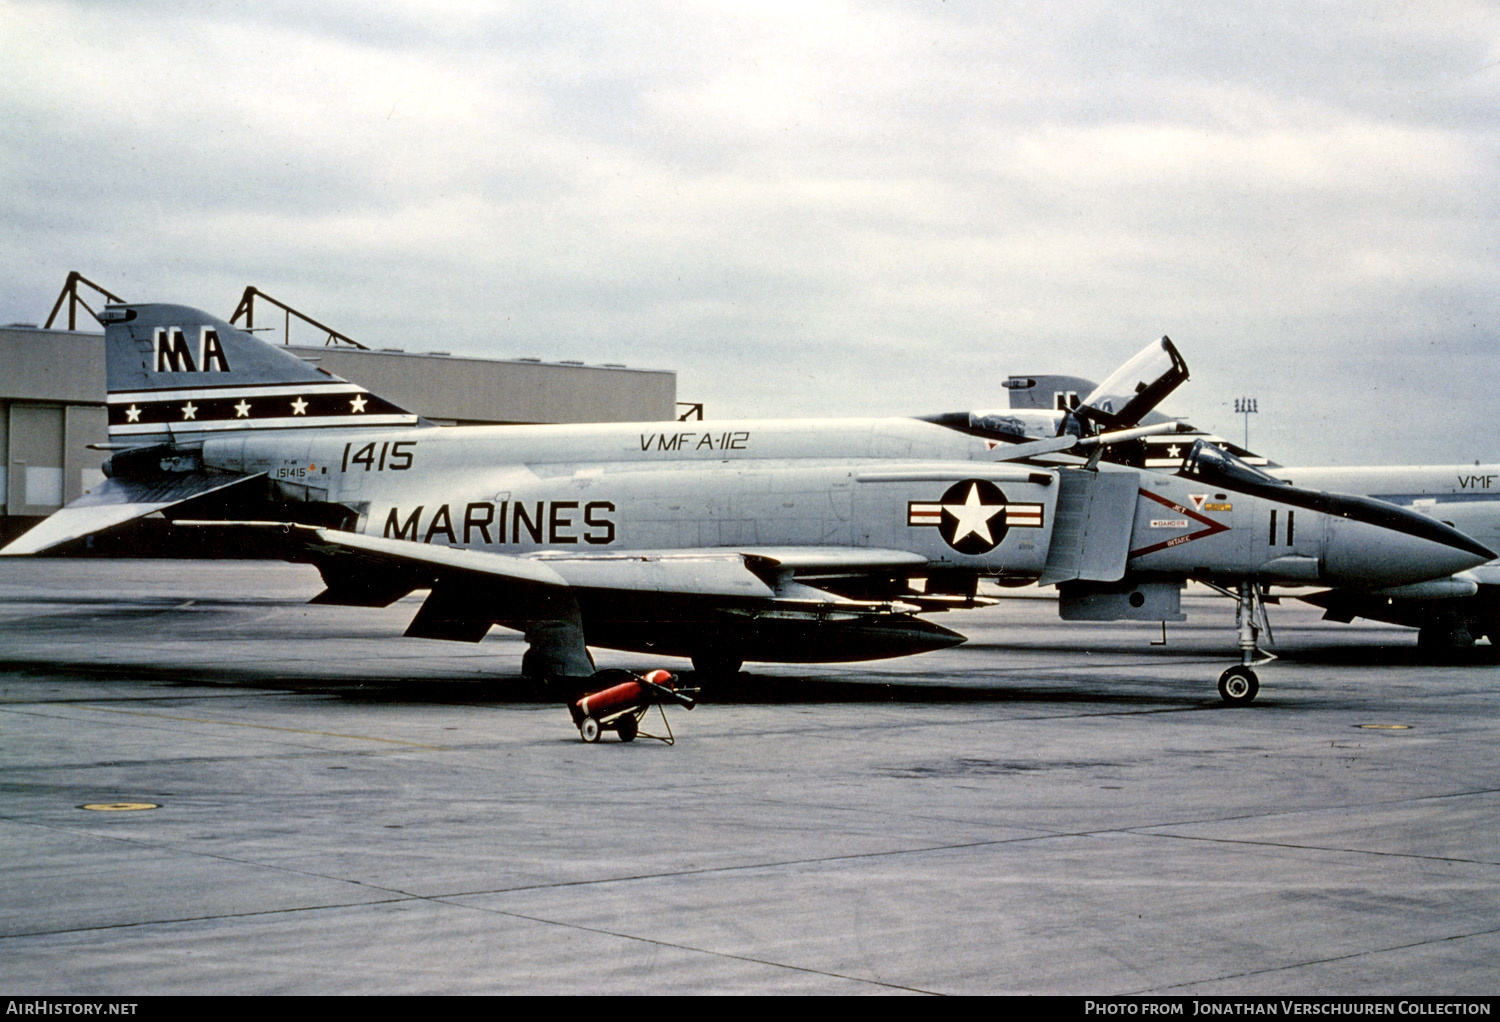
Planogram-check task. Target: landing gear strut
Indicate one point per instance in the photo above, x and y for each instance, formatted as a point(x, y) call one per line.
point(1239, 685)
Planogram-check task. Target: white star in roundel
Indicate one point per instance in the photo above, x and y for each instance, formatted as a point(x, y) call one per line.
point(299, 407)
point(132, 414)
point(1174, 451)
point(242, 410)
point(973, 517)
point(189, 411)
point(358, 403)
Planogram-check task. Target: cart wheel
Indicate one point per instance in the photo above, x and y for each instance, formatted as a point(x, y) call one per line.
point(589, 729)
point(627, 728)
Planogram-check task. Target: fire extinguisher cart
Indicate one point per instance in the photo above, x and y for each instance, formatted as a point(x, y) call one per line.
point(623, 700)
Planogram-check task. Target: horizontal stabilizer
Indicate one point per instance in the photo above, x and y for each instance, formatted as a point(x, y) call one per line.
point(117, 501)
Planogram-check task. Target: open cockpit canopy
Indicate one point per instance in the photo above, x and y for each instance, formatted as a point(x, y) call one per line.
point(1137, 387)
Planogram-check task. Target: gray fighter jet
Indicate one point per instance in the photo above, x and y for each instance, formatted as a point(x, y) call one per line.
point(1448, 612)
point(793, 541)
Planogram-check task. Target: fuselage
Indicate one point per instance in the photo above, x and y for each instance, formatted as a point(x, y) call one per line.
point(881, 483)
point(655, 486)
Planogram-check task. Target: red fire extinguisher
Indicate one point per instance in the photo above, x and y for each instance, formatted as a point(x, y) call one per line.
point(621, 706)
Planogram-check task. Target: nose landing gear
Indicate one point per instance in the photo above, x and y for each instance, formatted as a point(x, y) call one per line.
point(1238, 685)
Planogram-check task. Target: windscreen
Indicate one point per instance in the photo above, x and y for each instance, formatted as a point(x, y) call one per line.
point(1214, 464)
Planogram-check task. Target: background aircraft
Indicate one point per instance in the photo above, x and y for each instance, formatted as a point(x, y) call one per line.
point(797, 541)
point(1449, 612)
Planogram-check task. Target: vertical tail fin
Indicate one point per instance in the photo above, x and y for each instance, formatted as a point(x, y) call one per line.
point(176, 374)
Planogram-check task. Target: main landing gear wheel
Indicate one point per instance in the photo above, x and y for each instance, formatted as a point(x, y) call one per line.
point(589, 730)
point(627, 728)
point(1238, 685)
point(1445, 638)
point(531, 666)
point(717, 666)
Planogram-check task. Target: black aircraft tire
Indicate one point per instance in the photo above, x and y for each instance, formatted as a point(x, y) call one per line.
point(1238, 686)
point(532, 667)
point(589, 729)
point(627, 728)
point(1445, 637)
point(716, 666)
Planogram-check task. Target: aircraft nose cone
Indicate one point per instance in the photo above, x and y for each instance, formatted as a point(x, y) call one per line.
point(1370, 542)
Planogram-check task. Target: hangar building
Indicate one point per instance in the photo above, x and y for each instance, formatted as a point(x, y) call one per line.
point(52, 403)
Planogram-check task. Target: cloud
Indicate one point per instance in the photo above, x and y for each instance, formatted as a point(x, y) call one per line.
point(842, 208)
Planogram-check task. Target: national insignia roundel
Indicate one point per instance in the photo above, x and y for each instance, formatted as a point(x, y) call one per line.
point(973, 516)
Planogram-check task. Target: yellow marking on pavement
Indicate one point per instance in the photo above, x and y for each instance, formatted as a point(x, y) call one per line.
point(119, 807)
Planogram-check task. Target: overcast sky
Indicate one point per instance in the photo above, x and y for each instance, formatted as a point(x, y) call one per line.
point(805, 208)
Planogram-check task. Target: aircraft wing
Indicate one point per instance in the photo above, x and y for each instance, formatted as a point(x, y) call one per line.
point(727, 571)
point(541, 593)
point(374, 571)
point(117, 501)
point(699, 573)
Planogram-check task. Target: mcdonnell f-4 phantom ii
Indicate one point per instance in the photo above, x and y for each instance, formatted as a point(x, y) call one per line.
point(783, 541)
point(1448, 612)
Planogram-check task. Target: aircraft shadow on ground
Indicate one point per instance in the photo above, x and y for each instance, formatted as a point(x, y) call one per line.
point(1392, 656)
point(1334, 652)
point(1125, 689)
point(987, 678)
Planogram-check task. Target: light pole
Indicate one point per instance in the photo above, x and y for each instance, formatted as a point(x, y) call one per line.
point(1246, 406)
